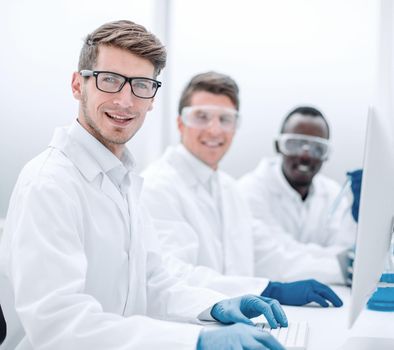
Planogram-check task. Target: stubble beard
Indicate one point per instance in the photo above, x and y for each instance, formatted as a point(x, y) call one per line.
point(95, 130)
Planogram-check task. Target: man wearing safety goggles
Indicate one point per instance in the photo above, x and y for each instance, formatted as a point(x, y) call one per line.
point(290, 195)
point(203, 219)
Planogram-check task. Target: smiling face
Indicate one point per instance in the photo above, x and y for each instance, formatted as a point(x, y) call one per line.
point(300, 170)
point(113, 118)
point(209, 144)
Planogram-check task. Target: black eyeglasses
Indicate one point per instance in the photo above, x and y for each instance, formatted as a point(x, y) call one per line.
point(113, 82)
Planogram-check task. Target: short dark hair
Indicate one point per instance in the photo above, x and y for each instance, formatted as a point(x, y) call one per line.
point(306, 111)
point(213, 82)
point(125, 35)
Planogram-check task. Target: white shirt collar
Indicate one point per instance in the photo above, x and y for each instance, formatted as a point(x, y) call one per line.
point(204, 175)
point(117, 170)
point(202, 172)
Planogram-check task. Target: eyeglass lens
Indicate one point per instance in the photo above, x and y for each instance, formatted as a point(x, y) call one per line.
point(112, 82)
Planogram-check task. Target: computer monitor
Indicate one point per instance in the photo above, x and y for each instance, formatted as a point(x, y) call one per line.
point(376, 210)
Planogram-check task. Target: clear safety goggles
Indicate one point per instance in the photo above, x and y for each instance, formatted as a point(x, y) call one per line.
point(201, 117)
point(297, 144)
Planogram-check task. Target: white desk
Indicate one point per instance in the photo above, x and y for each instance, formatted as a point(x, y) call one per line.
point(329, 327)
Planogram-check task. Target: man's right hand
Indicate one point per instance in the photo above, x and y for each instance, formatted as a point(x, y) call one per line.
point(236, 337)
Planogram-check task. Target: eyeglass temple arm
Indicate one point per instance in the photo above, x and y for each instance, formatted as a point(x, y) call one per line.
point(86, 73)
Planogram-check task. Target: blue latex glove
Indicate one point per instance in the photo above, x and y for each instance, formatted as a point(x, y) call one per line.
point(355, 178)
point(240, 309)
point(236, 337)
point(301, 293)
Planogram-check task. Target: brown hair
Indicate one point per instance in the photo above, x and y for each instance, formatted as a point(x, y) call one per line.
point(126, 35)
point(213, 82)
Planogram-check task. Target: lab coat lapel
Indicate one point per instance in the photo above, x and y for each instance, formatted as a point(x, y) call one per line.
point(209, 203)
point(108, 187)
point(177, 160)
point(230, 218)
point(136, 182)
point(206, 197)
point(87, 166)
point(136, 303)
point(236, 226)
point(132, 200)
point(225, 199)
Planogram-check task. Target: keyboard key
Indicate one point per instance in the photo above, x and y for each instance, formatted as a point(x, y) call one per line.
point(282, 336)
point(293, 337)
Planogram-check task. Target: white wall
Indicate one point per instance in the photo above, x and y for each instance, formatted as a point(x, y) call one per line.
point(281, 52)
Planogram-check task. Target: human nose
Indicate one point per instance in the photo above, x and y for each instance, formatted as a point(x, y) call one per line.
point(214, 126)
point(306, 153)
point(125, 97)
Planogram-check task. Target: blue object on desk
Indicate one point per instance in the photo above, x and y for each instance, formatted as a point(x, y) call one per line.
point(383, 298)
point(387, 277)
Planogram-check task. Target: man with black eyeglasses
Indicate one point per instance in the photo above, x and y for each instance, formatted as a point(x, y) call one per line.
point(81, 260)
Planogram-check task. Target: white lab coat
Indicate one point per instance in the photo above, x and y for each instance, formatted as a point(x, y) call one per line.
point(84, 266)
point(187, 221)
point(320, 219)
point(189, 225)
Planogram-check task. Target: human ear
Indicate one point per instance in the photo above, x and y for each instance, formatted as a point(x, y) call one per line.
point(180, 124)
point(76, 85)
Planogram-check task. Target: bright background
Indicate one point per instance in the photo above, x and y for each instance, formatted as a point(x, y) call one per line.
point(282, 53)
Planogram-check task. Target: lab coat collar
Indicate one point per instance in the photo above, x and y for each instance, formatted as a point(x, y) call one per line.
point(89, 155)
point(92, 158)
point(195, 171)
point(104, 157)
point(284, 186)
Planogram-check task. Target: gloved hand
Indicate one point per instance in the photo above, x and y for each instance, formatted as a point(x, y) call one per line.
point(236, 337)
point(346, 260)
point(301, 293)
point(242, 308)
point(355, 178)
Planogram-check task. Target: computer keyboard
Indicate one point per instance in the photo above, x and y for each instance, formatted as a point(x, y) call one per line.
point(293, 337)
